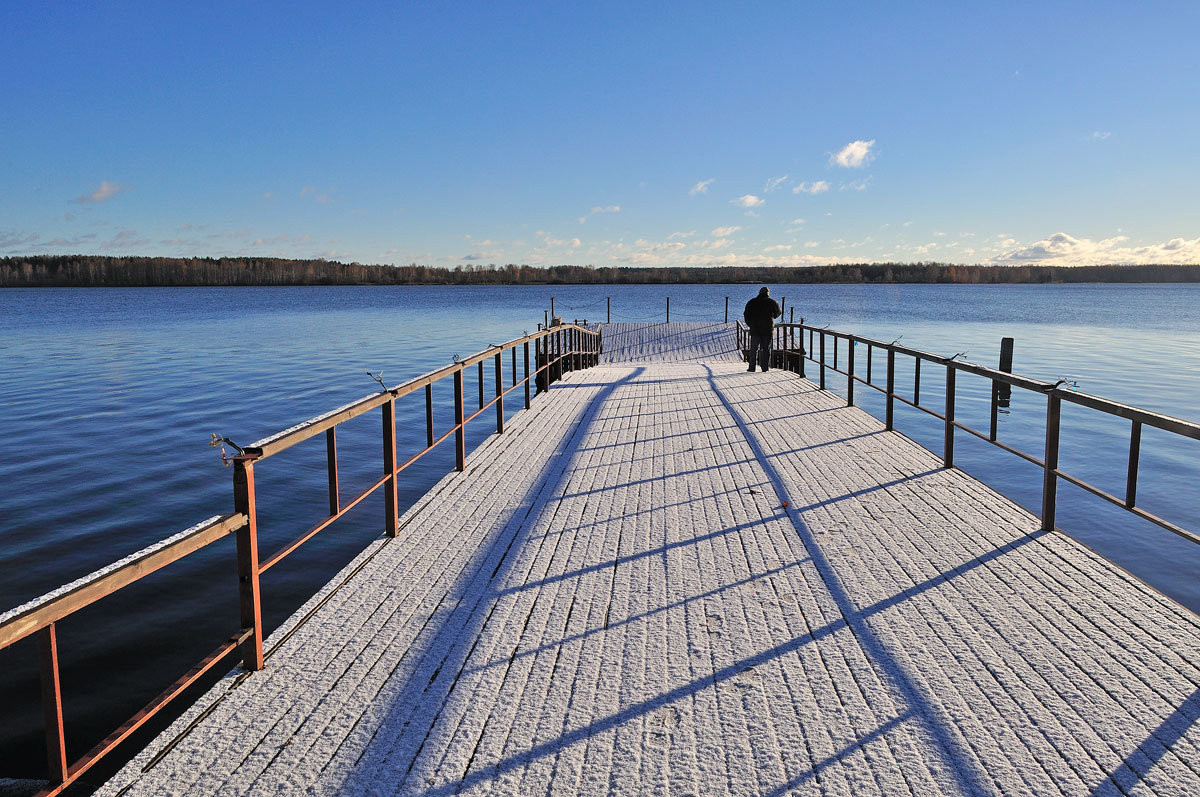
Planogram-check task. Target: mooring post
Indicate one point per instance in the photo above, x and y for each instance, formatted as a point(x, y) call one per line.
point(1001, 391)
point(668, 309)
point(1050, 477)
point(460, 440)
point(782, 305)
point(551, 307)
point(608, 310)
point(726, 309)
point(948, 446)
point(249, 598)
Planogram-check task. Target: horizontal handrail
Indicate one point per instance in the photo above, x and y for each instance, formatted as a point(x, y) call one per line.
point(28, 618)
point(565, 347)
point(1054, 392)
point(281, 441)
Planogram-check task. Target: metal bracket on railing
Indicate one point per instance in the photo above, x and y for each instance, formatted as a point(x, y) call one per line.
point(217, 441)
point(897, 340)
point(1051, 388)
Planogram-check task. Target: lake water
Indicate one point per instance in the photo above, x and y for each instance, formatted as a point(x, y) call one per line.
point(108, 398)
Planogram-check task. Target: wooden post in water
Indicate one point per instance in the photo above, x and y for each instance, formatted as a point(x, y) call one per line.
point(608, 310)
point(551, 307)
point(1001, 392)
point(726, 309)
point(668, 309)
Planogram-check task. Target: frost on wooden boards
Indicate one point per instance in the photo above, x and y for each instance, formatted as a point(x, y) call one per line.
point(612, 600)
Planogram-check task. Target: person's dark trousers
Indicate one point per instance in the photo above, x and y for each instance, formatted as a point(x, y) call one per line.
point(760, 352)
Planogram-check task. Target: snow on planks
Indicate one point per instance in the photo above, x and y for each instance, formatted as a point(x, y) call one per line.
point(612, 600)
point(678, 342)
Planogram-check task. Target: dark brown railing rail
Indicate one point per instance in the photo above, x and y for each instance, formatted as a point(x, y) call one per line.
point(822, 350)
point(556, 350)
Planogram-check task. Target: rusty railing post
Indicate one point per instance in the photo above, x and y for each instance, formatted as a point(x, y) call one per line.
point(917, 382)
point(850, 371)
point(56, 744)
point(249, 597)
point(526, 374)
point(331, 465)
point(481, 384)
point(460, 440)
point(948, 445)
point(392, 527)
point(429, 415)
point(891, 389)
point(1050, 478)
point(822, 359)
point(499, 395)
point(1131, 475)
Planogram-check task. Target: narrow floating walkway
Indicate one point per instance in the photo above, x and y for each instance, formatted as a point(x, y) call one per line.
point(612, 600)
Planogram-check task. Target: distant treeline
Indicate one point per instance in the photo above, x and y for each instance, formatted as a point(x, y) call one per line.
point(98, 271)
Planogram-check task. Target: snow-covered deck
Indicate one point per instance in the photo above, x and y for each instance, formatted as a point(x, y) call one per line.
point(612, 599)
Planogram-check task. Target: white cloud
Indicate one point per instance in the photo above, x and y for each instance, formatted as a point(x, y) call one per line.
point(724, 232)
point(105, 192)
point(1062, 249)
point(574, 243)
point(798, 221)
point(811, 244)
point(855, 155)
point(1101, 136)
point(856, 185)
point(778, 248)
point(774, 183)
point(320, 197)
point(600, 209)
point(748, 201)
point(702, 186)
point(818, 187)
point(720, 243)
point(680, 235)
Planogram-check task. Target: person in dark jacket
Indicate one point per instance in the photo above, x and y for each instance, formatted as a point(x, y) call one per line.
point(760, 315)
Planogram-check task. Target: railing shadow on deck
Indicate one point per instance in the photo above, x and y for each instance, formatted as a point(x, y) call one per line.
point(395, 766)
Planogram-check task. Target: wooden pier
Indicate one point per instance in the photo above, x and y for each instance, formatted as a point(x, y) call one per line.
point(670, 576)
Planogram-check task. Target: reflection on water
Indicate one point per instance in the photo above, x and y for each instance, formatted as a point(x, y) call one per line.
point(109, 398)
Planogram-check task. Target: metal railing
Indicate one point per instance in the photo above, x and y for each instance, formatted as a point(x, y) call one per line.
point(557, 350)
point(822, 350)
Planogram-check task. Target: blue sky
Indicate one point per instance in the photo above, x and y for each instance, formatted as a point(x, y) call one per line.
point(603, 133)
